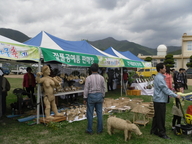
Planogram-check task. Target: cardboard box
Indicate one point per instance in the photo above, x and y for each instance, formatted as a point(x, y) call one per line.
point(136, 92)
point(129, 92)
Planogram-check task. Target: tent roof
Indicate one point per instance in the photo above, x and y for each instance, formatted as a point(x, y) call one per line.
point(44, 39)
point(8, 40)
point(126, 55)
point(13, 50)
point(130, 55)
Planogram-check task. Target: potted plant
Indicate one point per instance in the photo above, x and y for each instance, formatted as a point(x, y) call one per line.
point(131, 79)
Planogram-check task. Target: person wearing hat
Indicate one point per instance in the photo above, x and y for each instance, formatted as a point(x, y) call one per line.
point(29, 83)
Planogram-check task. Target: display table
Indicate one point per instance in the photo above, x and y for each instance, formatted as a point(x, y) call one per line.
point(64, 95)
point(144, 91)
point(67, 95)
point(70, 92)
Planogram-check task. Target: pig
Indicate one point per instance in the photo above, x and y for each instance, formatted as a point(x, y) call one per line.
point(120, 124)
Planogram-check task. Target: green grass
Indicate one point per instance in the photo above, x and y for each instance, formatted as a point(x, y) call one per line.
point(14, 132)
point(15, 83)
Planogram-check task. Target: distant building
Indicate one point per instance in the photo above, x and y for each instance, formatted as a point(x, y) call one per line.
point(180, 60)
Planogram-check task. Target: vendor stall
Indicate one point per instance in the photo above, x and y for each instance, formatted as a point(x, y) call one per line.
point(145, 87)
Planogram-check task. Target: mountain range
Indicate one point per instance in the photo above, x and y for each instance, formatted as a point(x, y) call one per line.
point(103, 44)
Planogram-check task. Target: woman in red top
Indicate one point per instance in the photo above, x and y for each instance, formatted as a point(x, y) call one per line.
point(168, 78)
point(29, 83)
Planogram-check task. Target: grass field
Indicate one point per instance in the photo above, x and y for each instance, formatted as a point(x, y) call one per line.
point(14, 132)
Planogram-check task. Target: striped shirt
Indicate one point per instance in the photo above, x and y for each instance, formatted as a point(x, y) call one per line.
point(94, 84)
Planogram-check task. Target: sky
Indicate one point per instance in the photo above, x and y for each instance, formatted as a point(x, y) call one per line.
point(145, 22)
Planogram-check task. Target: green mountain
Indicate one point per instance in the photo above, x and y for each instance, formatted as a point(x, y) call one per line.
point(14, 35)
point(103, 44)
point(134, 48)
point(174, 50)
point(123, 45)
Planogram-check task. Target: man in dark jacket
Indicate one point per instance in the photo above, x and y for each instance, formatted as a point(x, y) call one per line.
point(110, 80)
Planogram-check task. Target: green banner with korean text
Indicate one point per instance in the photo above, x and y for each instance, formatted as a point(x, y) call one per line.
point(70, 58)
point(19, 52)
point(133, 64)
point(79, 59)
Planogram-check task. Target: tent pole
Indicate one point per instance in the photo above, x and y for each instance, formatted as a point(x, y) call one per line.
point(121, 80)
point(38, 88)
point(1, 109)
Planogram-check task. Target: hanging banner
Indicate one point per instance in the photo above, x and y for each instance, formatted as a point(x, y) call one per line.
point(147, 64)
point(132, 63)
point(19, 52)
point(110, 62)
point(70, 58)
point(78, 59)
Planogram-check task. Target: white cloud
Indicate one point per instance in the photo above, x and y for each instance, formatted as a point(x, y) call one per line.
point(146, 22)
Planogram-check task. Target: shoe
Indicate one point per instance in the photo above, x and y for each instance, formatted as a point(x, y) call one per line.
point(155, 133)
point(173, 128)
point(100, 132)
point(165, 137)
point(90, 133)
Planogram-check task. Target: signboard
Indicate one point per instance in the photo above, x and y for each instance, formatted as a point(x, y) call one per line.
point(70, 58)
point(133, 64)
point(79, 59)
point(19, 52)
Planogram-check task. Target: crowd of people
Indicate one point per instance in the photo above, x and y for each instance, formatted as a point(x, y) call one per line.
point(110, 75)
point(166, 83)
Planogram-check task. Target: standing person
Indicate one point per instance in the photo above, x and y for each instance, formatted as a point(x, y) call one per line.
point(29, 83)
point(168, 79)
point(125, 77)
point(160, 97)
point(176, 109)
point(180, 79)
point(105, 75)
point(185, 79)
point(94, 93)
point(110, 80)
point(5, 85)
point(174, 72)
point(117, 75)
